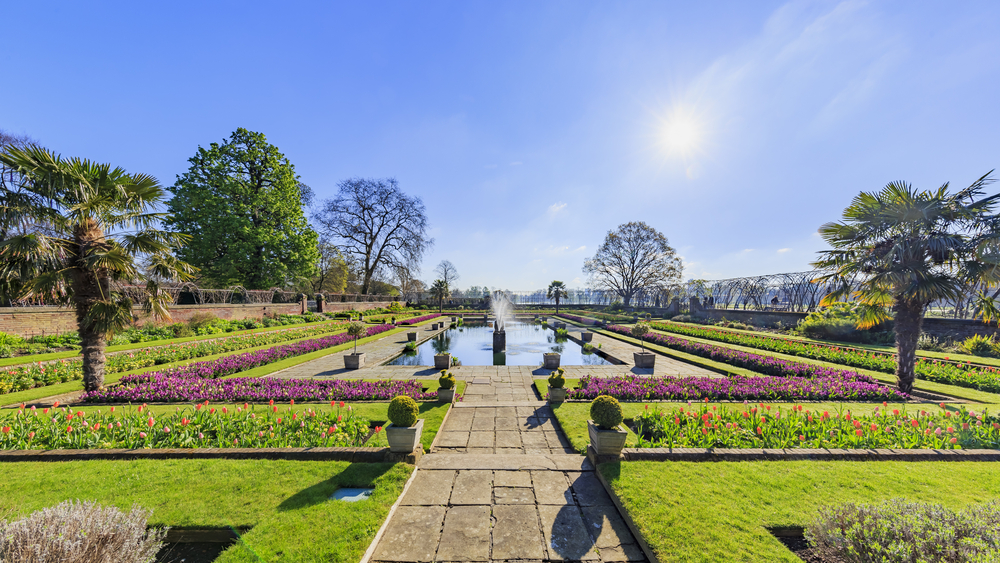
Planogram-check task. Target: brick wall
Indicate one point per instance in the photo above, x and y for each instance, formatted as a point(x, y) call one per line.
point(31, 321)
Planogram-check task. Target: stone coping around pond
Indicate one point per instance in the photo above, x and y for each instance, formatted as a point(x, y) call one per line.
point(354, 455)
point(801, 454)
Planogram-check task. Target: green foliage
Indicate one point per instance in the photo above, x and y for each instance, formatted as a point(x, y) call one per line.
point(898, 531)
point(979, 345)
point(396, 306)
point(557, 379)
point(10, 339)
point(244, 202)
point(403, 411)
point(930, 344)
point(606, 412)
point(447, 380)
point(839, 321)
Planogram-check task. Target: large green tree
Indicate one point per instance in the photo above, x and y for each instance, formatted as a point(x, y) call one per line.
point(241, 202)
point(100, 247)
point(900, 249)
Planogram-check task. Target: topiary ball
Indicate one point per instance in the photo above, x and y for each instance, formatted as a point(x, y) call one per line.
point(403, 411)
point(447, 380)
point(556, 379)
point(606, 412)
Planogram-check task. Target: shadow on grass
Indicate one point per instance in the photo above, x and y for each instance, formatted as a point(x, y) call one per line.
point(362, 475)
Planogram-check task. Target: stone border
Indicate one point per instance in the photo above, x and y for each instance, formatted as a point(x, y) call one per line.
point(798, 454)
point(354, 455)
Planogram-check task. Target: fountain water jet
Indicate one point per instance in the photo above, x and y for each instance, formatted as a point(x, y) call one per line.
point(502, 307)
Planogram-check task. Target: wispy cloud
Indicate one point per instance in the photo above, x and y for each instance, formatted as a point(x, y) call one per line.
point(516, 163)
point(783, 250)
point(748, 250)
point(556, 208)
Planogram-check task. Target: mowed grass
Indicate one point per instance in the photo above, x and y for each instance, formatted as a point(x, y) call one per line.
point(712, 512)
point(573, 417)
point(284, 503)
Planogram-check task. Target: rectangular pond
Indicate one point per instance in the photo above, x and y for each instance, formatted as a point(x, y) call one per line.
point(472, 344)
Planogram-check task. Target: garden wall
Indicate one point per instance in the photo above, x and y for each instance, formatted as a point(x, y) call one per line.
point(31, 321)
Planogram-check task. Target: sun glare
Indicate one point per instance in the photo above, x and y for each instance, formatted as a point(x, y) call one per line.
point(682, 133)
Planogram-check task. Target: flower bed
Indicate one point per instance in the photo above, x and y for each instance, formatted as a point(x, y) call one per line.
point(766, 427)
point(417, 320)
point(941, 371)
point(169, 388)
point(848, 387)
point(19, 378)
point(763, 364)
point(201, 427)
point(233, 364)
point(576, 319)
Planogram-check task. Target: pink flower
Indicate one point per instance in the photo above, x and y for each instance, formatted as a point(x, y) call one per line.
point(142, 434)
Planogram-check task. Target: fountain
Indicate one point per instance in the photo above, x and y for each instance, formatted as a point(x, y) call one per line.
point(502, 308)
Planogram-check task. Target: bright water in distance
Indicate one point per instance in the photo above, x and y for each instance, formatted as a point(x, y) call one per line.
point(472, 344)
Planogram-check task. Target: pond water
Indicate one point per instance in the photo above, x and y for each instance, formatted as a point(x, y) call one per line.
point(472, 344)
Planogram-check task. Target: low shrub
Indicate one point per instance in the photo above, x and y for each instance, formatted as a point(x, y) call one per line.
point(979, 345)
point(557, 379)
point(81, 532)
point(905, 532)
point(682, 318)
point(606, 412)
point(403, 411)
point(447, 380)
point(930, 344)
point(839, 322)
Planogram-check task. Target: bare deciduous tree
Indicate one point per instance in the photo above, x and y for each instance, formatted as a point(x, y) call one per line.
point(633, 257)
point(377, 225)
point(447, 272)
point(331, 269)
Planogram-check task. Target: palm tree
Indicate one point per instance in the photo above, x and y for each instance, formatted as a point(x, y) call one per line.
point(100, 225)
point(439, 289)
point(557, 290)
point(902, 249)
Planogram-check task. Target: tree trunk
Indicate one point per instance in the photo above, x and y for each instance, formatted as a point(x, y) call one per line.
point(557, 304)
point(89, 287)
point(93, 344)
point(909, 320)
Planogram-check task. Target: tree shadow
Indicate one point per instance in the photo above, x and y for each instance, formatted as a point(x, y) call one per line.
point(572, 535)
point(362, 475)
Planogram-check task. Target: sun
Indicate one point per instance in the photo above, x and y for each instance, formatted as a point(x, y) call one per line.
point(682, 133)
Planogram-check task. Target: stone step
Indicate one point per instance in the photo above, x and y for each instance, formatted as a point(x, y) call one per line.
point(557, 462)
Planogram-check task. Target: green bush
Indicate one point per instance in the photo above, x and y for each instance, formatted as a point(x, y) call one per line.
point(839, 322)
point(682, 318)
point(557, 379)
point(447, 380)
point(979, 345)
point(606, 412)
point(10, 339)
point(403, 411)
point(908, 532)
point(202, 319)
point(930, 344)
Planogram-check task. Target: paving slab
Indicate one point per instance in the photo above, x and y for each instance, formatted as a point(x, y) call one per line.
point(566, 536)
point(552, 487)
point(559, 462)
point(473, 487)
point(606, 527)
point(481, 439)
point(430, 487)
point(512, 479)
point(513, 495)
point(516, 534)
point(589, 490)
point(413, 534)
point(466, 534)
point(452, 439)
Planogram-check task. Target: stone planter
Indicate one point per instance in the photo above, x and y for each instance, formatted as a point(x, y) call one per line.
point(606, 442)
point(551, 360)
point(446, 395)
point(453, 319)
point(587, 336)
point(411, 337)
point(557, 394)
point(442, 361)
point(354, 361)
point(434, 326)
point(404, 439)
point(644, 360)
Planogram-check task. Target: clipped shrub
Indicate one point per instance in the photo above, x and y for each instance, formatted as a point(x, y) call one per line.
point(905, 532)
point(682, 318)
point(403, 411)
point(356, 329)
point(979, 345)
point(606, 412)
point(81, 532)
point(447, 380)
point(557, 379)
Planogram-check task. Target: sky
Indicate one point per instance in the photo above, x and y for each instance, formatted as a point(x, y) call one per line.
point(531, 129)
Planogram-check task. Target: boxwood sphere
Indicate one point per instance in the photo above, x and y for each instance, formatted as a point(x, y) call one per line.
point(403, 411)
point(447, 380)
point(606, 412)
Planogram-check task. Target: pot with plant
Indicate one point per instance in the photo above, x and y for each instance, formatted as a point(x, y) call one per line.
point(446, 391)
point(557, 389)
point(356, 329)
point(403, 431)
point(587, 336)
point(442, 360)
point(551, 360)
point(607, 436)
point(643, 359)
point(411, 337)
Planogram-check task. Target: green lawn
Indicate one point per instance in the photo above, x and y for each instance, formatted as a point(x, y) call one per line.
point(721, 511)
point(573, 417)
point(284, 503)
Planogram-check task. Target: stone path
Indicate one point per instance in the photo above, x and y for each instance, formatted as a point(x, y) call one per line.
point(502, 484)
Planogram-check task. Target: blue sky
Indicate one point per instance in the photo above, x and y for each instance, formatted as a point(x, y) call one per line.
point(530, 129)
